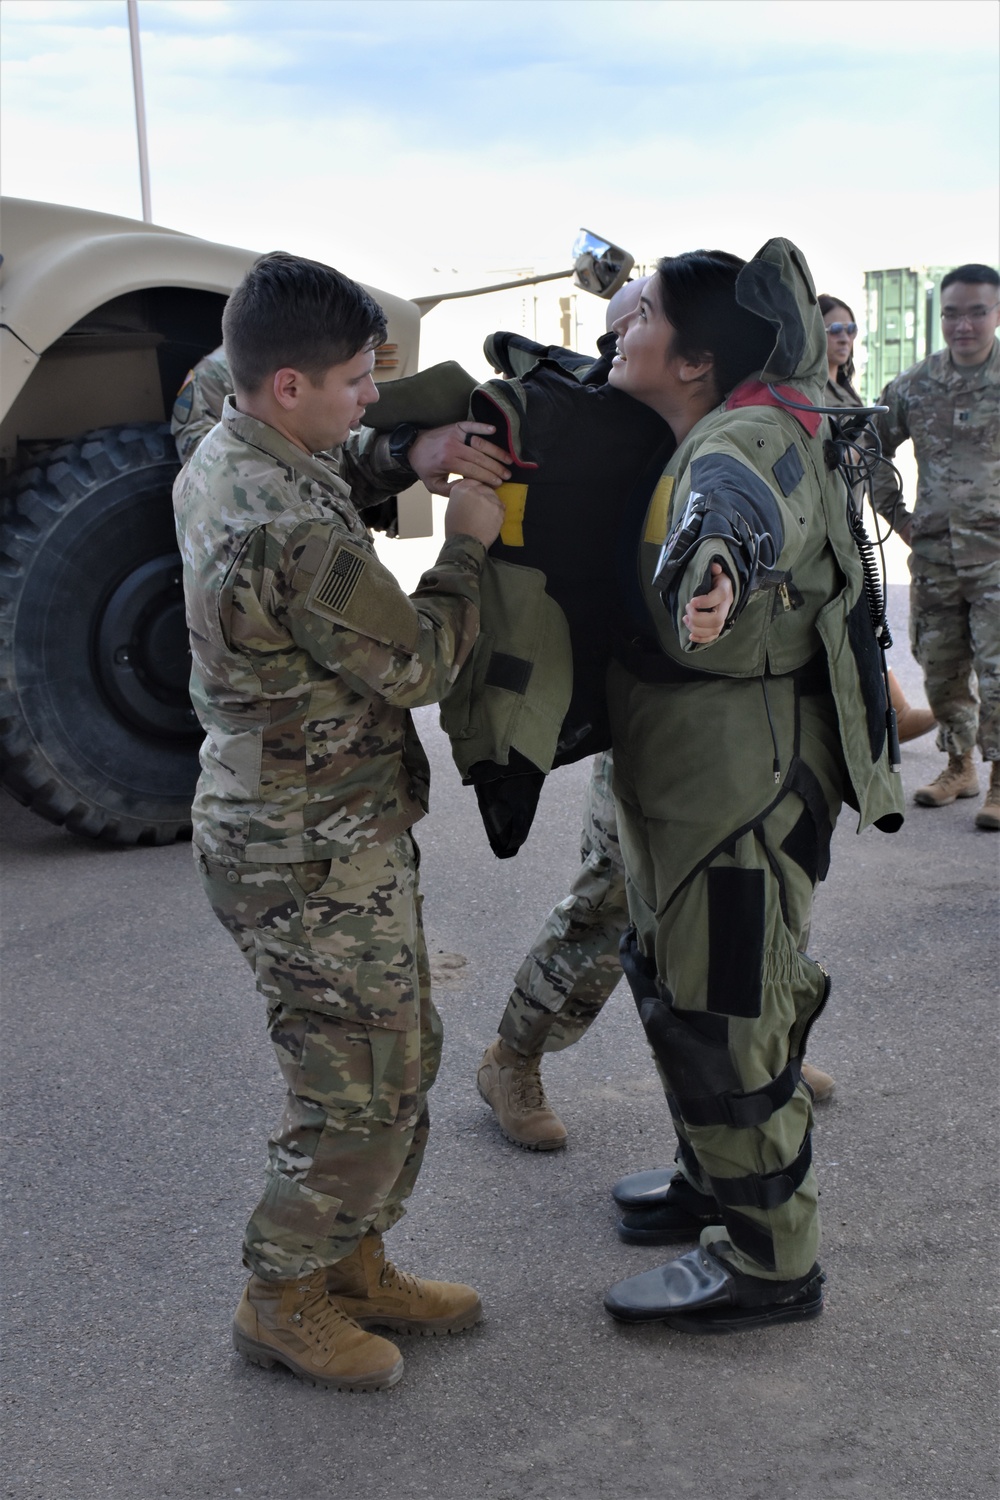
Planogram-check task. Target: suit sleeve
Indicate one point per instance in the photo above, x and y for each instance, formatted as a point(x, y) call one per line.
point(727, 512)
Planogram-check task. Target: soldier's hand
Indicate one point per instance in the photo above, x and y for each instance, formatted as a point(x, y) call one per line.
point(442, 451)
point(706, 614)
point(473, 510)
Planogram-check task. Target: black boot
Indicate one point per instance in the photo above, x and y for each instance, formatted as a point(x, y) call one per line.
point(700, 1293)
point(643, 1189)
point(675, 1214)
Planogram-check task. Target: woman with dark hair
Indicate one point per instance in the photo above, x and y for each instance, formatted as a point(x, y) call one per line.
point(841, 329)
point(733, 751)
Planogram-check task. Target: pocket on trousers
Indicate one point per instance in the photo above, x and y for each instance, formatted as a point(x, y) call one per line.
point(360, 940)
point(355, 1072)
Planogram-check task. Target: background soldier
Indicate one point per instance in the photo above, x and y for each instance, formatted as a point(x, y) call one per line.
point(307, 657)
point(949, 406)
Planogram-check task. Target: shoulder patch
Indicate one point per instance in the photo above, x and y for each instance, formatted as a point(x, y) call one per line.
point(335, 585)
point(355, 590)
point(184, 401)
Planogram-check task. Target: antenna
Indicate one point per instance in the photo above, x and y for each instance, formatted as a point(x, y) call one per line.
point(140, 108)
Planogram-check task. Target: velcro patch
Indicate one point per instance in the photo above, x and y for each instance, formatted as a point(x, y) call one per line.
point(788, 470)
point(354, 590)
point(513, 498)
point(510, 672)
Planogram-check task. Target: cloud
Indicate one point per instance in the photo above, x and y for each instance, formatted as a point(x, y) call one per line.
point(398, 137)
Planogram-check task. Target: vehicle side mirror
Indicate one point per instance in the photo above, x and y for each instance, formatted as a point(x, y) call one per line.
point(599, 266)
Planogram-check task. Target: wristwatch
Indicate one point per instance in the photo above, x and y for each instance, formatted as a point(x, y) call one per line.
point(401, 440)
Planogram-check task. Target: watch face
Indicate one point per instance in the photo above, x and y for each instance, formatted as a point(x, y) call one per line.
point(400, 441)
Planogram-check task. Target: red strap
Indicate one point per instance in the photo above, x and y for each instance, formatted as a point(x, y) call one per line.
point(755, 393)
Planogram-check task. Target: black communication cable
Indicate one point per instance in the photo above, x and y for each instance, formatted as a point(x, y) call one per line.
point(855, 451)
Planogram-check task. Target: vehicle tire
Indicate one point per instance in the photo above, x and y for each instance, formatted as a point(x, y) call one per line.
point(96, 726)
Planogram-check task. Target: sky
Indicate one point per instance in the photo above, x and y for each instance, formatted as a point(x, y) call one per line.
point(425, 145)
point(420, 144)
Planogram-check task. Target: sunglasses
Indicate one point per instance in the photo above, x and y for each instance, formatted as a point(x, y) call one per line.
point(850, 328)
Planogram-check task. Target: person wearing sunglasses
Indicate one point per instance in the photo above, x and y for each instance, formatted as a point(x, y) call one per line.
point(841, 330)
point(948, 405)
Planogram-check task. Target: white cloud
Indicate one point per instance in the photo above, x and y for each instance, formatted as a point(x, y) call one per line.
point(261, 132)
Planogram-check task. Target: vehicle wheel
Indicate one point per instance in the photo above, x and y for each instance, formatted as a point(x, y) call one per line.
point(97, 731)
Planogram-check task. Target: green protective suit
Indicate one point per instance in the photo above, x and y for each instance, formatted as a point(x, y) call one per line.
point(532, 696)
point(731, 764)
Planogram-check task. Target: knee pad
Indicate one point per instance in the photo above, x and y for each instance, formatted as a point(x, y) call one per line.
point(692, 1048)
point(639, 970)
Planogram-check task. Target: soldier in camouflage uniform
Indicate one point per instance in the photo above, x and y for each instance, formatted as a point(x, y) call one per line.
point(563, 983)
point(307, 657)
point(949, 406)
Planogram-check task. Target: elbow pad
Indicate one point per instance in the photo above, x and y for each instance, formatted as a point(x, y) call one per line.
point(730, 502)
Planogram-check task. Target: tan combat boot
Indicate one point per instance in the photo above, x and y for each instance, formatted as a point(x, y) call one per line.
point(821, 1083)
point(512, 1087)
point(958, 779)
point(299, 1325)
point(911, 722)
point(988, 815)
point(368, 1287)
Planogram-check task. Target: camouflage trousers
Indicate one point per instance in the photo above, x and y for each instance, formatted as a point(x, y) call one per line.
point(573, 965)
point(337, 950)
point(955, 636)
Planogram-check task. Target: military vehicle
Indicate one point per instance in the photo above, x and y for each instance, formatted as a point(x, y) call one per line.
point(102, 317)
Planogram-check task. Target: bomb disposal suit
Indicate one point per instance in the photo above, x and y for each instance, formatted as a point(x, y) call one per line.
point(731, 763)
point(532, 694)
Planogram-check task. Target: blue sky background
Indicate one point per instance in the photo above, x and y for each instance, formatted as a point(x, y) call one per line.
point(396, 137)
point(429, 146)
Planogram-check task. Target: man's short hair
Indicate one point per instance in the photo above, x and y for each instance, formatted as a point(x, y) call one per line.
point(299, 314)
point(971, 275)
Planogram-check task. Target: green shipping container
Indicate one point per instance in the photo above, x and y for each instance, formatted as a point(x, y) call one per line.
point(902, 322)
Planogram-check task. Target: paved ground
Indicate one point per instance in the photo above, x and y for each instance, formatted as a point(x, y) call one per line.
point(138, 1095)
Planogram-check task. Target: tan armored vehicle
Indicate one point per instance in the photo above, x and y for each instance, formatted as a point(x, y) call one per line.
point(102, 318)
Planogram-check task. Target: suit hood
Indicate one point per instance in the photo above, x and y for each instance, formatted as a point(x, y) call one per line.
point(777, 285)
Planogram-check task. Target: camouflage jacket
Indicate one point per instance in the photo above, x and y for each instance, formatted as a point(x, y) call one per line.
point(306, 654)
point(364, 460)
point(952, 416)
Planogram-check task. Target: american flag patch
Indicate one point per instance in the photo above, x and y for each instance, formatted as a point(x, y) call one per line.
point(334, 590)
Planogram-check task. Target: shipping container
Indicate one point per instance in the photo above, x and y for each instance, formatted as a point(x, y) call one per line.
point(902, 323)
